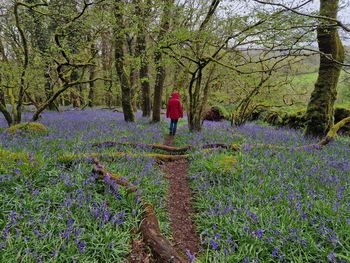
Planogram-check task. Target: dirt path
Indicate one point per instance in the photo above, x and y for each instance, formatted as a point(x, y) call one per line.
point(179, 207)
point(179, 204)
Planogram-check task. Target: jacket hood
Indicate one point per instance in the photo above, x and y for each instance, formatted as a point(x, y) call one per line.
point(175, 95)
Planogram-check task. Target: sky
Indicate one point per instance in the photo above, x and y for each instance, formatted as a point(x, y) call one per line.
point(343, 14)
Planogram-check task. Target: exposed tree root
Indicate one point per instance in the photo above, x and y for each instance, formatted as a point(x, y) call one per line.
point(149, 228)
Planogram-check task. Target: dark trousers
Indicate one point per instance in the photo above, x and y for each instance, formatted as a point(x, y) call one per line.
point(173, 126)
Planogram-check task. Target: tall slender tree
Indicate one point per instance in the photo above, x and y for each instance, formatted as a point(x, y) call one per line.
point(158, 60)
point(119, 40)
point(142, 11)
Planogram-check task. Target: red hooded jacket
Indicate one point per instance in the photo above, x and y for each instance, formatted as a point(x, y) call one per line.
point(174, 109)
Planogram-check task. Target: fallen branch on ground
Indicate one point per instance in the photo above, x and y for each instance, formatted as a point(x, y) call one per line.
point(149, 226)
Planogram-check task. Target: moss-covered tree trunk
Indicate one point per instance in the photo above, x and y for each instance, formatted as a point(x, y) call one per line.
point(119, 63)
point(320, 110)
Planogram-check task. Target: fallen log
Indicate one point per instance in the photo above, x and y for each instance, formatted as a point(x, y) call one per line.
point(69, 158)
point(141, 145)
point(233, 147)
point(333, 131)
point(167, 148)
point(149, 227)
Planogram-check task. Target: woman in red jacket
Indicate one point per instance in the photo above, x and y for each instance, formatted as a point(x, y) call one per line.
point(174, 111)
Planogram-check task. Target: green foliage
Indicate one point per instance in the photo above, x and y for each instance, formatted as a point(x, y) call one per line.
point(32, 128)
point(18, 162)
point(223, 111)
point(12, 156)
point(220, 163)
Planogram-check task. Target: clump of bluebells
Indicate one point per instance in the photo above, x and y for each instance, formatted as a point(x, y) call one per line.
point(277, 205)
point(50, 212)
point(63, 215)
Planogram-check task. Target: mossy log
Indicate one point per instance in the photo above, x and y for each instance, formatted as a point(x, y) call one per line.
point(140, 145)
point(160, 246)
point(333, 131)
point(69, 158)
point(168, 148)
point(233, 147)
point(155, 240)
point(102, 172)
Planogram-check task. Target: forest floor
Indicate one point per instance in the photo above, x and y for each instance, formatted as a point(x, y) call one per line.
point(273, 203)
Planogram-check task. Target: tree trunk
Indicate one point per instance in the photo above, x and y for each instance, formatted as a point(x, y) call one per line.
point(133, 80)
point(132, 74)
point(119, 63)
point(198, 94)
point(320, 110)
point(4, 110)
point(91, 89)
point(141, 52)
point(194, 113)
point(160, 68)
point(144, 75)
point(91, 77)
point(158, 88)
point(49, 89)
point(73, 95)
point(106, 53)
point(2, 52)
point(18, 113)
point(40, 36)
point(45, 104)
